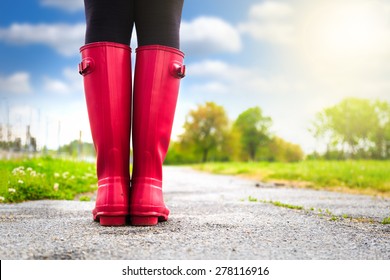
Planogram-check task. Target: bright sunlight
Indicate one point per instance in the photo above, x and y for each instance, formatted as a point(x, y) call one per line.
point(354, 29)
point(344, 36)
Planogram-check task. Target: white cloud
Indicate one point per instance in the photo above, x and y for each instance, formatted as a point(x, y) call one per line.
point(211, 88)
point(197, 37)
point(55, 86)
point(67, 5)
point(235, 79)
point(218, 70)
point(270, 22)
point(16, 83)
point(206, 35)
point(271, 11)
point(71, 83)
point(64, 38)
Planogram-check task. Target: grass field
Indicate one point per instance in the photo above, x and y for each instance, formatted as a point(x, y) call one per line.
point(48, 178)
point(45, 178)
point(364, 177)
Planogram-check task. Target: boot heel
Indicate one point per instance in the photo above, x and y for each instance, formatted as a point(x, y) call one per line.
point(144, 220)
point(112, 220)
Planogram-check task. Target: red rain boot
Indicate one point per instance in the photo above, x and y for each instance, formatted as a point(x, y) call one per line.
point(106, 69)
point(158, 72)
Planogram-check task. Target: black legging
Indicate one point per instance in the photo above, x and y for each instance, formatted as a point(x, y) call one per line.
point(156, 21)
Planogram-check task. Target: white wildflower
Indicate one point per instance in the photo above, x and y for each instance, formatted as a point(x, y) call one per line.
point(55, 187)
point(2, 199)
point(56, 175)
point(18, 171)
point(11, 190)
point(65, 175)
point(29, 169)
point(33, 173)
point(20, 182)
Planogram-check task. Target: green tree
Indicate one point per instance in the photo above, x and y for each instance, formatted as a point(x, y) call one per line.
point(231, 146)
point(381, 132)
point(205, 129)
point(281, 150)
point(180, 154)
point(75, 148)
point(253, 127)
point(356, 128)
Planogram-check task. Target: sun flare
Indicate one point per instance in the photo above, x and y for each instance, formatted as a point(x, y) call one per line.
point(355, 29)
point(344, 35)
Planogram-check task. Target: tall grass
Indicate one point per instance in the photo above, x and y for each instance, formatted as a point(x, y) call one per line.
point(361, 176)
point(44, 178)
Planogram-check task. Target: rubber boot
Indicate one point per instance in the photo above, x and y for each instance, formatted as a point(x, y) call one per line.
point(158, 72)
point(106, 69)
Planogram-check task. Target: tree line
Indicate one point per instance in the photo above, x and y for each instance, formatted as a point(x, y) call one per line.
point(352, 129)
point(210, 136)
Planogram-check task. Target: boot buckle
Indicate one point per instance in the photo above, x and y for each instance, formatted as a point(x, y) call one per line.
point(178, 70)
point(86, 66)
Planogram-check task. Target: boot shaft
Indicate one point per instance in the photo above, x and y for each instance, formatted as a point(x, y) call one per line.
point(158, 72)
point(106, 70)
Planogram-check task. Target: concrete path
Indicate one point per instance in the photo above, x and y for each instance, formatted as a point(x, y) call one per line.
point(211, 217)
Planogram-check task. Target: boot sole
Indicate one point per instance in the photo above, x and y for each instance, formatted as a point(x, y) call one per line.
point(146, 220)
point(112, 220)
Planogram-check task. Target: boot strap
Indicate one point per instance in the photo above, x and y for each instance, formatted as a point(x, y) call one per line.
point(178, 70)
point(86, 66)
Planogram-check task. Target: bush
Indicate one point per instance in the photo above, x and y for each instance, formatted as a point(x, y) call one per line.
point(45, 178)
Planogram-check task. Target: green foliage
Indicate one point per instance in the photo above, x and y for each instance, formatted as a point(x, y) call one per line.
point(286, 205)
point(355, 128)
point(44, 178)
point(84, 198)
point(180, 154)
point(322, 214)
point(252, 199)
point(206, 129)
point(75, 148)
point(278, 149)
point(372, 177)
point(253, 128)
point(277, 203)
point(208, 136)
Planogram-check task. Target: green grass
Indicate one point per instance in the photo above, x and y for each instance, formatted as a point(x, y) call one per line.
point(281, 204)
point(45, 178)
point(320, 213)
point(276, 203)
point(361, 176)
point(285, 205)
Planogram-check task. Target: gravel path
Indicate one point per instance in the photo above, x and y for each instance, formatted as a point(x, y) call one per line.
point(211, 218)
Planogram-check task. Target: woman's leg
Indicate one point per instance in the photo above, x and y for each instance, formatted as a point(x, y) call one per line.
point(109, 21)
point(106, 69)
point(158, 22)
point(159, 68)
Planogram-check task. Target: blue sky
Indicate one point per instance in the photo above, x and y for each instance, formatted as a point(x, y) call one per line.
point(291, 58)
